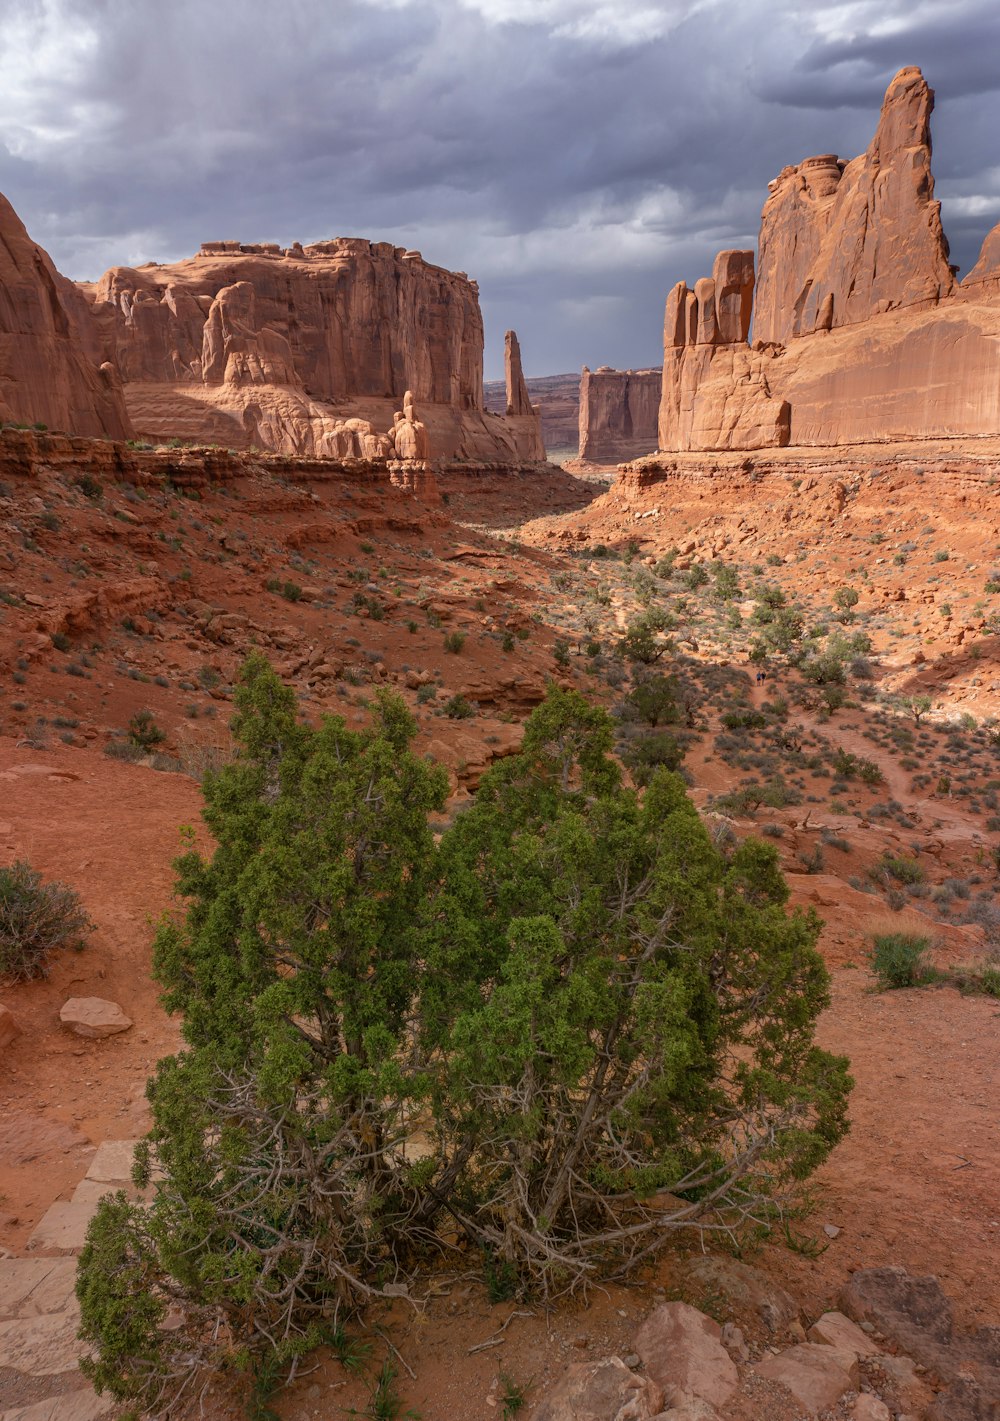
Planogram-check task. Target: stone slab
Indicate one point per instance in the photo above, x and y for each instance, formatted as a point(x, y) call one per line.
point(42, 1346)
point(112, 1164)
point(92, 1191)
point(31, 1287)
point(69, 1406)
point(62, 1228)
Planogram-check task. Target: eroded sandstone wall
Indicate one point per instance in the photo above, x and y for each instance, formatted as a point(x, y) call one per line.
point(618, 414)
point(859, 329)
point(253, 345)
point(51, 366)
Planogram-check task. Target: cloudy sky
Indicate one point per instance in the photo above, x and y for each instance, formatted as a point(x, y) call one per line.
point(577, 157)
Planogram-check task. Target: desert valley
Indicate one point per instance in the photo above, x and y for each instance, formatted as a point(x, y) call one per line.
point(762, 580)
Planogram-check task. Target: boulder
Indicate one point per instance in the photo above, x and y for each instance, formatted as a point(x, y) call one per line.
point(9, 1027)
point(817, 1376)
point(605, 1390)
point(913, 1312)
point(965, 1400)
point(833, 1329)
point(93, 1016)
point(682, 1352)
point(743, 1287)
point(866, 1407)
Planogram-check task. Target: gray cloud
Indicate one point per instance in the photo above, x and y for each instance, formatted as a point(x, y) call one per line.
point(575, 156)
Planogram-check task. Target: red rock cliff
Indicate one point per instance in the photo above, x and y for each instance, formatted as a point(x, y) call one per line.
point(256, 345)
point(860, 332)
point(618, 414)
point(51, 371)
point(842, 242)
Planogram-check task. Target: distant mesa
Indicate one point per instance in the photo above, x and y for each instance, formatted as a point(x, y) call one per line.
point(854, 327)
point(618, 413)
point(303, 350)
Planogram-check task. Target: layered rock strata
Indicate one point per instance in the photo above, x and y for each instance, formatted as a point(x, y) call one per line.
point(618, 414)
point(286, 349)
point(51, 368)
point(860, 331)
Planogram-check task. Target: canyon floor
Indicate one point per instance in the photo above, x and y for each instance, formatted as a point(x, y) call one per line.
point(141, 594)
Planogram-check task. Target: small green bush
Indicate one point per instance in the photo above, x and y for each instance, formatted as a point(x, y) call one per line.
point(458, 708)
point(453, 642)
point(144, 732)
point(902, 869)
point(35, 918)
point(898, 959)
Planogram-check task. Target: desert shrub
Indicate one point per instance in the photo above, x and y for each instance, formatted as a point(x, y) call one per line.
point(654, 700)
point(747, 719)
point(426, 693)
point(144, 732)
point(291, 591)
point(898, 959)
point(606, 1025)
point(126, 750)
point(648, 753)
point(899, 867)
point(640, 640)
point(827, 669)
point(458, 708)
point(453, 642)
point(727, 582)
point(35, 918)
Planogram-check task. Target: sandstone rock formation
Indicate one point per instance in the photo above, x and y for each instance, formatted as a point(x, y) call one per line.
point(51, 371)
point(557, 399)
point(841, 242)
point(517, 391)
point(618, 413)
point(251, 345)
point(860, 331)
point(705, 348)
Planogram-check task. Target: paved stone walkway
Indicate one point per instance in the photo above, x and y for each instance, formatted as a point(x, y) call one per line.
point(39, 1314)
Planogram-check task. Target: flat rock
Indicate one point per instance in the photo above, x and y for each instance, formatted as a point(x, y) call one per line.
point(84, 1405)
point(113, 1161)
point(682, 1352)
point(817, 1376)
point(93, 1016)
point(833, 1329)
point(34, 1286)
point(601, 1391)
point(42, 1346)
point(62, 1228)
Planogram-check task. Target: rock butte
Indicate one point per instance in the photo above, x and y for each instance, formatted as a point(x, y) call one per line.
point(618, 413)
point(307, 351)
point(860, 330)
point(854, 329)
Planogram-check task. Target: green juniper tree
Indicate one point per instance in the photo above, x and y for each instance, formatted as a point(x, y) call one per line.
point(563, 1032)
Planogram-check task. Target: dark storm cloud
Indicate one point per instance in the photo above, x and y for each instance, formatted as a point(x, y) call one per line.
point(575, 156)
